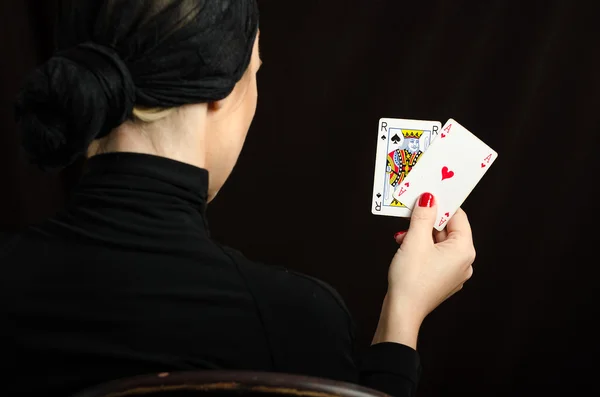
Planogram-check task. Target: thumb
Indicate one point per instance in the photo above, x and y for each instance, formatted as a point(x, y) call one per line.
point(423, 217)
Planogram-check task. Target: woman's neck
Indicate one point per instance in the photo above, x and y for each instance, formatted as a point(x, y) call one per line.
point(179, 136)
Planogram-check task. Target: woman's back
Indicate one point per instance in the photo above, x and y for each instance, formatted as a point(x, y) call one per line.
point(127, 281)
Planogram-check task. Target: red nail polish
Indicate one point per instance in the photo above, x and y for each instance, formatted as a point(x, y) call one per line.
point(426, 200)
point(398, 234)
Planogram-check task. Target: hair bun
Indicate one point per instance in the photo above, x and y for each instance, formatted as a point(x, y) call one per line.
point(79, 95)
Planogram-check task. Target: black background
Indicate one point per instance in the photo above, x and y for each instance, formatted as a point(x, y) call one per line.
point(524, 76)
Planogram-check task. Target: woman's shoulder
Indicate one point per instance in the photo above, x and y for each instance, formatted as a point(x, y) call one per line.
point(306, 319)
point(292, 288)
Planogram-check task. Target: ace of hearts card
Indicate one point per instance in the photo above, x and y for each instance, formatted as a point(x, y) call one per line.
point(450, 169)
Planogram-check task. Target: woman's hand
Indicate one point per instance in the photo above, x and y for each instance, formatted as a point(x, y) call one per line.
point(427, 269)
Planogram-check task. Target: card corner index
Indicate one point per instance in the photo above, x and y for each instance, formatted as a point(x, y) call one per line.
point(440, 228)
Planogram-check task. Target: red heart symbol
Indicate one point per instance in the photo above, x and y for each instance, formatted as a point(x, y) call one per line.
point(407, 184)
point(443, 135)
point(447, 214)
point(482, 165)
point(447, 174)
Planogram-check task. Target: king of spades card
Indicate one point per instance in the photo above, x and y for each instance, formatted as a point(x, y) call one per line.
point(402, 159)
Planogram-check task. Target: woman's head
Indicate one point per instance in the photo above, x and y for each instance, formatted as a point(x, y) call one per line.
point(128, 70)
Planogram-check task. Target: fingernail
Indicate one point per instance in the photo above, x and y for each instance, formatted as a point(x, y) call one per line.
point(426, 200)
point(398, 234)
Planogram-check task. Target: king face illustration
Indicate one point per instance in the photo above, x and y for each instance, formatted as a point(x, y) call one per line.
point(402, 160)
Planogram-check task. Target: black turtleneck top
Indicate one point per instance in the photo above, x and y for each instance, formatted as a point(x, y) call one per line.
point(127, 281)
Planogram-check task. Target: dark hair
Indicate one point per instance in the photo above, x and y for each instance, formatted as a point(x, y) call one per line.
point(113, 55)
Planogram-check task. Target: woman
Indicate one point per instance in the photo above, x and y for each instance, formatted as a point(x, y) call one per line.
point(159, 94)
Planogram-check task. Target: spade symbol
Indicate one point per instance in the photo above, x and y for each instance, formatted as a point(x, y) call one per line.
point(395, 139)
point(378, 195)
point(382, 137)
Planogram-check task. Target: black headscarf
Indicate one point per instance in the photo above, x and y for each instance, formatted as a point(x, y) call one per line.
point(114, 54)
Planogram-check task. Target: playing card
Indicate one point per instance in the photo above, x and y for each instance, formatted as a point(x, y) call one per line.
point(400, 144)
point(450, 169)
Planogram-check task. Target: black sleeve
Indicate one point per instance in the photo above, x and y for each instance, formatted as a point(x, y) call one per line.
point(392, 368)
point(389, 367)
